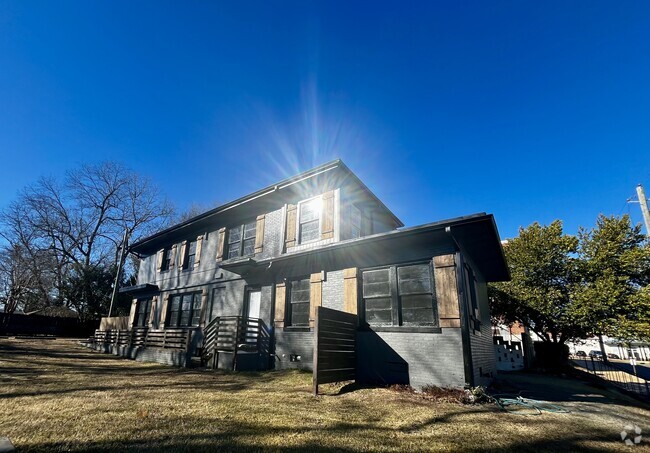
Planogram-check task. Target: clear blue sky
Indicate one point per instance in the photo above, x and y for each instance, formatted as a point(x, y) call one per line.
point(531, 111)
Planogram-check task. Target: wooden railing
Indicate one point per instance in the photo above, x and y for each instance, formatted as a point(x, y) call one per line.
point(177, 338)
point(231, 334)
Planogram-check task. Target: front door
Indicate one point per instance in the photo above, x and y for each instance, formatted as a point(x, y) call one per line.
point(254, 299)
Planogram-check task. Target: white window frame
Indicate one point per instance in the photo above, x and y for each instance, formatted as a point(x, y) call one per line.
point(320, 219)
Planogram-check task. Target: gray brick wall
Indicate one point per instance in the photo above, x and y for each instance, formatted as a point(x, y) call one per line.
point(333, 290)
point(300, 343)
point(157, 355)
point(273, 240)
point(483, 358)
point(417, 359)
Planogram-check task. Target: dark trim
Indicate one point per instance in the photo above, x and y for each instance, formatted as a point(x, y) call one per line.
point(498, 270)
point(401, 329)
point(297, 329)
point(272, 329)
point(396, 302)
point(464, 320)
point(146, 287)
point(332, 165)
point(247, 294)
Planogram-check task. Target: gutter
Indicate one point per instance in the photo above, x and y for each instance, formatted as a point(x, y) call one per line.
point(382, 236)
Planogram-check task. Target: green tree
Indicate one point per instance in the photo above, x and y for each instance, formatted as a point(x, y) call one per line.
point(613, 297)
point(544, 272)
point(68, 233)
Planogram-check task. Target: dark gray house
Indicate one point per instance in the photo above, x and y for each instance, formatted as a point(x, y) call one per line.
point(322, 238)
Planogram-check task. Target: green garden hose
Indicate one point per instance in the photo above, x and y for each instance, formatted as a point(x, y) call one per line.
point(508, 403)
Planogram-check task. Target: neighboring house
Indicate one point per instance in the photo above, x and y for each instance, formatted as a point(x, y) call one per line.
point(322, 238)
point(513, 346)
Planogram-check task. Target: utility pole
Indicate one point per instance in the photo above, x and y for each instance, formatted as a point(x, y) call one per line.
point(644, 207)
point(119, 271)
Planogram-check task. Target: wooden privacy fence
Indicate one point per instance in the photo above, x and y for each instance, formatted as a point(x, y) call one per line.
point(335, 339)
point(145, 337)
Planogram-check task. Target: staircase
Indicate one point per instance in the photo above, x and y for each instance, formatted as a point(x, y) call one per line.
point(230, 334)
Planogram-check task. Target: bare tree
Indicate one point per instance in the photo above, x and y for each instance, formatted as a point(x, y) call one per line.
point(68, 230)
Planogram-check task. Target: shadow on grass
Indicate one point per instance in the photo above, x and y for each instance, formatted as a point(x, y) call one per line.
point(243, 436)
point(570, 388)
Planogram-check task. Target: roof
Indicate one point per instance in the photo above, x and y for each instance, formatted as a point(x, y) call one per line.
point(475, 235)
point(201, 219)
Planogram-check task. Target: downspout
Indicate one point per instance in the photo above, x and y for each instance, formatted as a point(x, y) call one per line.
point(464, 319)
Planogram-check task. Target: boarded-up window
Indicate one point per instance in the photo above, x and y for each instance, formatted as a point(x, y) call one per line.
point(299, 302)
point(400, 296)
point(241, 240)
point(142, 313)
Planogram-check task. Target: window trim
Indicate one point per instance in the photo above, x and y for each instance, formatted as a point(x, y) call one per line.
point(147, 313)
point(289, 304)
point(320, 219)
point(473, 304)
point(167, 265)
point(396, 303)
point(178, 325)
point(240, 248)
point(189, 266)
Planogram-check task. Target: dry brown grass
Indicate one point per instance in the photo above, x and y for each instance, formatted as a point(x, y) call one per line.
point(56, 395)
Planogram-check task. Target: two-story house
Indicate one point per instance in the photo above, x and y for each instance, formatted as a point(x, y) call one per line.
point(322, 238)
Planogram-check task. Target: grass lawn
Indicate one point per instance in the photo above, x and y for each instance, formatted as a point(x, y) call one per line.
point(57, 395)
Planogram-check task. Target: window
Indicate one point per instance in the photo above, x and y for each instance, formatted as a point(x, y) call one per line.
point(355, 222)
point(299, 302)
point(241, 240)
point(470, 290)
point(400, 296)
point(190, 255)
point(167, 259)
point(142, 313)
point(309, 220)
point(184, 310)
point(377, 297)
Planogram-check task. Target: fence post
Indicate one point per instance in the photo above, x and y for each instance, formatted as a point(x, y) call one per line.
point(238, 320)
point(188, 340)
